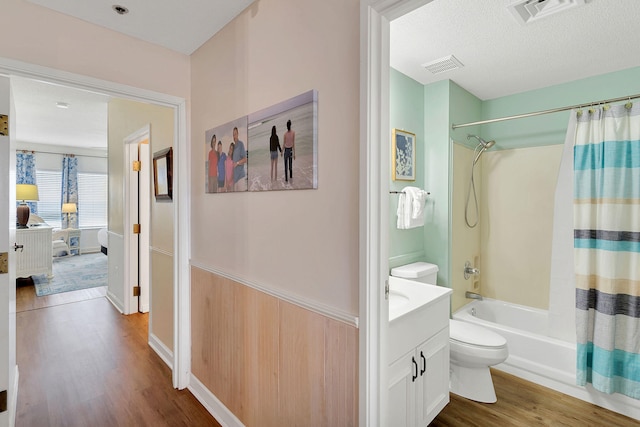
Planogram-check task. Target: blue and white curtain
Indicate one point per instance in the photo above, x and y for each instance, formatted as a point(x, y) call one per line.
point(607, 248)
point(26, 174)
point(69, 193)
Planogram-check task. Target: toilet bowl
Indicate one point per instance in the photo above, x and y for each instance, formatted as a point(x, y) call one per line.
point(473, 349)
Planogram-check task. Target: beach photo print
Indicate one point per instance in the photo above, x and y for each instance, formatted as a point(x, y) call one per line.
point(226, 157)
point(283, 152)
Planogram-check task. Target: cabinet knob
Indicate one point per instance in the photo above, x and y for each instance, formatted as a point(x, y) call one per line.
point(17, 246)
point(424, 363)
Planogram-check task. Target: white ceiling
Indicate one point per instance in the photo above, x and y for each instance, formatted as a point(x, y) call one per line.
point(182, 25)
point(40, 121)
point(500, 56)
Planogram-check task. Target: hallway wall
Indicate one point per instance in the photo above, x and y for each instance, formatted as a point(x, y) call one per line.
point(301, 245)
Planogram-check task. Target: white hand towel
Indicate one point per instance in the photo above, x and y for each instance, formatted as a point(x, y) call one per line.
point(411, 208)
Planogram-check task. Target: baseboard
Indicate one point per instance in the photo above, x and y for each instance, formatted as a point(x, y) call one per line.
point(161, 350)
point(614, 402)
point(13, 409)
point(224, 416)
point(115, 301)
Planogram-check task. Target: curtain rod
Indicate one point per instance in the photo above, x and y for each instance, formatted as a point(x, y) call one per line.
point(63, 154)
point(539, 113)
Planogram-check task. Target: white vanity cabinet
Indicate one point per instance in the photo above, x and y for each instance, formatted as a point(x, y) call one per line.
point(418, 351)
point(419, 383)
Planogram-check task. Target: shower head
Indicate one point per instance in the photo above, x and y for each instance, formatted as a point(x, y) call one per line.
point(482, 144)
point(485, 144)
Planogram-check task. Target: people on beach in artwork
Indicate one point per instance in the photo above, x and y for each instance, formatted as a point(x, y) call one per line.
point(289, 143)
point(212, 178)
point(227, 171)
point(274, 147)
point(239, 160)
point(228, 165)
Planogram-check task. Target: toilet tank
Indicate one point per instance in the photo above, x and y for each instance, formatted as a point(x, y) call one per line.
point(418, 271)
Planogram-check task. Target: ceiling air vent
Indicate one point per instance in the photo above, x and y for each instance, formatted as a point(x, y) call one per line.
point(526, 11)
point(441, 65)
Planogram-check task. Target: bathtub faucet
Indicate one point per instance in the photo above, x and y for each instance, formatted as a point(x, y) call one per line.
point(473, 295)
point(470, 270)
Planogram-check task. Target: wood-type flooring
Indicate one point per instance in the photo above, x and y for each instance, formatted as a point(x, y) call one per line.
point(524, 404)
point(85, 364)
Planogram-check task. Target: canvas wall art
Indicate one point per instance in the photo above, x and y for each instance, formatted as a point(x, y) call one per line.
point(283, 152)
point(226, 157)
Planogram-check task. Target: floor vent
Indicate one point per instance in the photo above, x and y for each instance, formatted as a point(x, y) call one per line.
point(441, 65)
point(527, 11)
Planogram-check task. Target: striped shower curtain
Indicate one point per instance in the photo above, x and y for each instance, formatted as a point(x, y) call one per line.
point(607, 248)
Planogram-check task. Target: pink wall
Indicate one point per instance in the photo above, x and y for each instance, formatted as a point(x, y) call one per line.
point(37, 35)
point(302, 242)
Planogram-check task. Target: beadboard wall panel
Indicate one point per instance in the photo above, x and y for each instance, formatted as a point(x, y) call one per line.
point(268, 361)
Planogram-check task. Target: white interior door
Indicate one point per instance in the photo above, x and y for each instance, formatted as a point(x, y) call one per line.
point(137, 211)
point(8, 367)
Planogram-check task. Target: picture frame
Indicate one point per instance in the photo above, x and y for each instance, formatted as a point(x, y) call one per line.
point(162, 174)
point(403, 158)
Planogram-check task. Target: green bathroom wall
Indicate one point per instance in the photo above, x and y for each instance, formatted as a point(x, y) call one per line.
point(406, 104)
point(436, 228)
point(550, 129)
point(428, 111)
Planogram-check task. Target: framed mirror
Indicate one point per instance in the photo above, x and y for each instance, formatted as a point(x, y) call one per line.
point(162, 167)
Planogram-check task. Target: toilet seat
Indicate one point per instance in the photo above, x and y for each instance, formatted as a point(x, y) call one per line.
point(468, 334)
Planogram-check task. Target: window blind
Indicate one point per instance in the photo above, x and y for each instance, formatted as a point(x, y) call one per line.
point(92, 200)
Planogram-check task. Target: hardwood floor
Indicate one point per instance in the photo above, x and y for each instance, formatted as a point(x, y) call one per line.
point(26, 298)
point(524, 404)
point(85, 364)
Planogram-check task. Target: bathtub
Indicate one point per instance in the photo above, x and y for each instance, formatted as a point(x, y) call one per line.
point(532, 352)
point(536, 357)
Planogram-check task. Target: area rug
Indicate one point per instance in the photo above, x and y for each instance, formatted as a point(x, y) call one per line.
point(73, 273)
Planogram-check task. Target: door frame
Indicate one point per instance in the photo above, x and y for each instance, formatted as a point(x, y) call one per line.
point(181, 199)
point(375, 137)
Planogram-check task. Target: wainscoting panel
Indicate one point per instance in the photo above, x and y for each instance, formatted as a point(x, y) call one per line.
point(270, 362)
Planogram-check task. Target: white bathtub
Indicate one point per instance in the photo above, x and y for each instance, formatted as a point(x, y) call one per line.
point(525, 329)
point(535, 356)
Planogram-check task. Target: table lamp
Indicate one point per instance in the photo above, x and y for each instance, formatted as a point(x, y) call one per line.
point(25, 192)
point(69, 208)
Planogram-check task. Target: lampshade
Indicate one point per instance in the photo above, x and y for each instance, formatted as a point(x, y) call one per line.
point(69, 208)
point(27, 192)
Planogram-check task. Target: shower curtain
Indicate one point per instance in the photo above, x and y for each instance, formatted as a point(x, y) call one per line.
point(607, 248)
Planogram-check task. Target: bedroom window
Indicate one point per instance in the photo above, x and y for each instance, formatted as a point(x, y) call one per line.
point(92, 200)
point(49, 187)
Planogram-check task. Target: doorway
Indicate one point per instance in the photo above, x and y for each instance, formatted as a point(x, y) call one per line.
point(180, 278)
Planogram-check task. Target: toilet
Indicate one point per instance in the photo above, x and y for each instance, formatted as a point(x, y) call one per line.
point(472, 348)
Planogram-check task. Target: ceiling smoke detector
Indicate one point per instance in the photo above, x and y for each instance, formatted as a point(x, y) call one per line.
point(527, 11)
point(441, 65)
point(120, 10)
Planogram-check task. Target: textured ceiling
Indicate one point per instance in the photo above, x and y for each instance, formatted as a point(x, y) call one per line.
point(182, 25)
point(503, 57)
point(500, 56)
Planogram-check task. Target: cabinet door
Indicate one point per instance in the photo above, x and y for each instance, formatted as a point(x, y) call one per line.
point(432, 391)
point(403, 374)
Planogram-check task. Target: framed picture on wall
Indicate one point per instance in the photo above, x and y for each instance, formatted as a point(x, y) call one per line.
point(162, 165)
point(403, 157)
